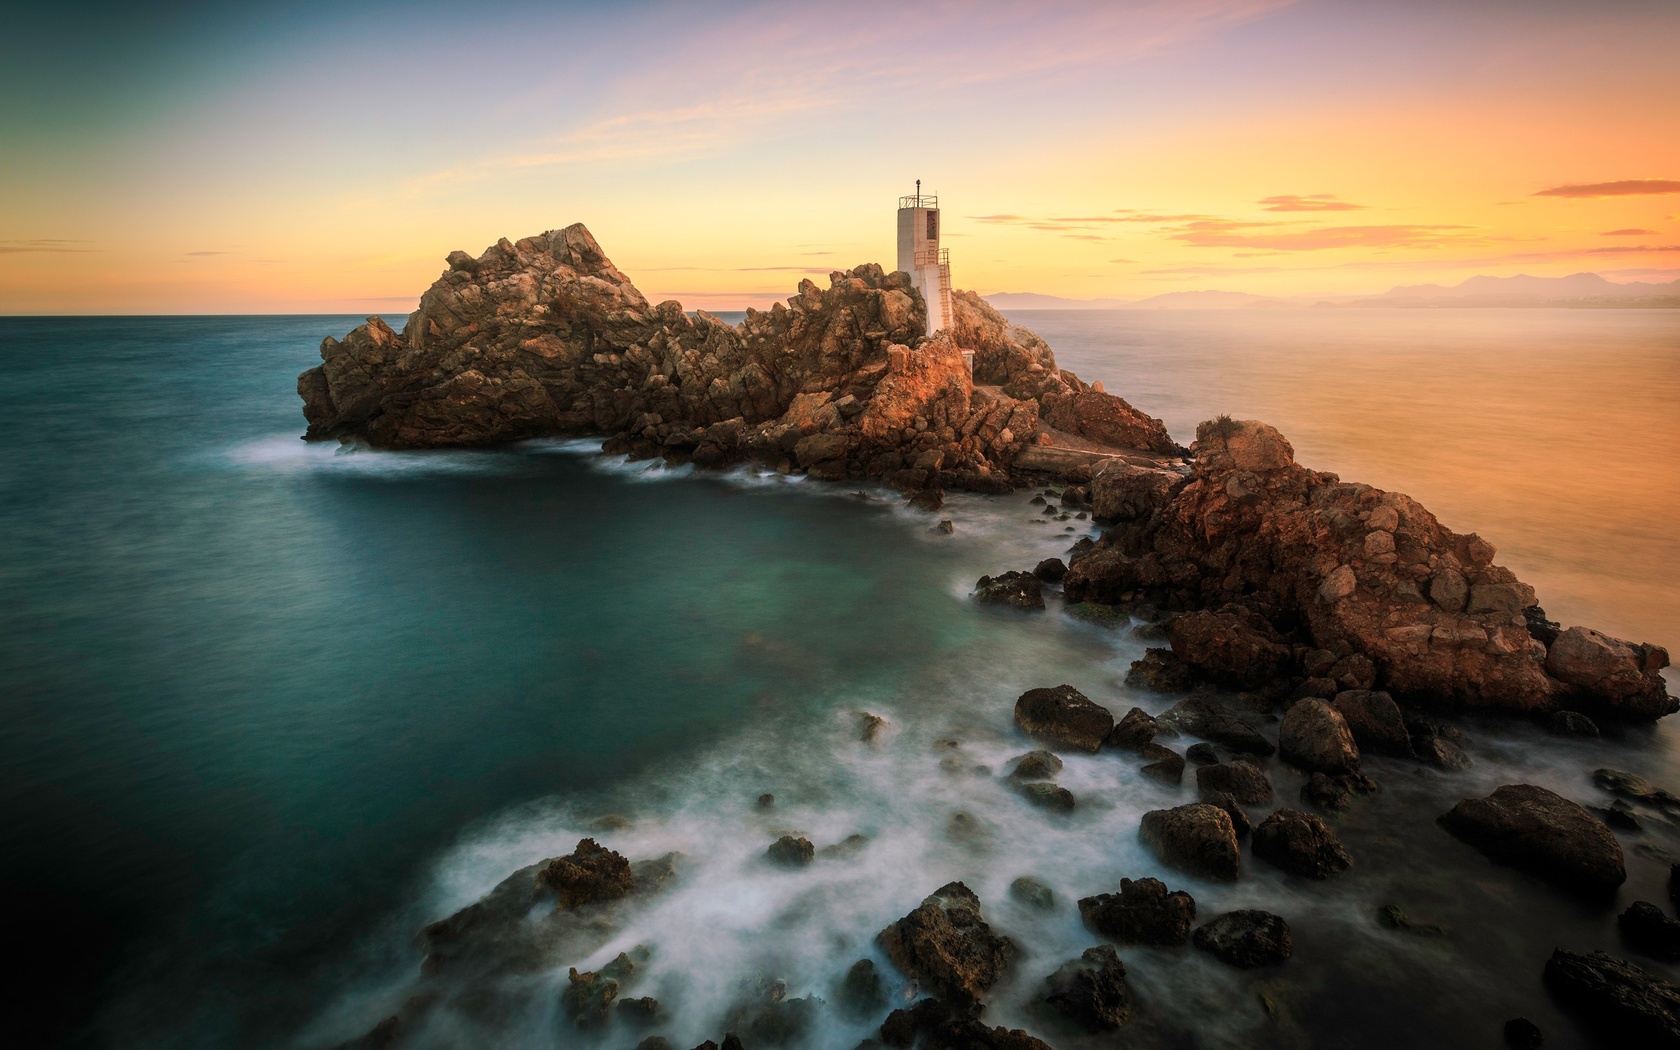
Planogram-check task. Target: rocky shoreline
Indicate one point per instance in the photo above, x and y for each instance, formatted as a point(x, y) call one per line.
point(1309, 622)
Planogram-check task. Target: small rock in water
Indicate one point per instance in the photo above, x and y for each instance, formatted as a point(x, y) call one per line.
point(1336, 793)
point(947, 526)
point(1543, 833)
point(1050, 570)
point(1036, 765)
point(1394, 917)
point(766, 800)
point(1620, 815)
point(869, 726)
point(946, 944)
point(1315, 737)
point(1143, 912)
point(846, 848)
point(1021, 590)
point(1625, 1004)
point(1523, 1034)
point(1233, 809)
point(1246, 939)
point(790, 852)
point(642, 1012)
point(1637, 788)
point(1241, 779)
point(1300, 844)
point(589, 874)
point(1647, 929)
point(1160, 670)
point(654, 1042)
point(1165, 764)
point(1091, 992)
point(1031, 892)
point(1133, 731)
point(1197, 839)
point(1048, 796)
point(928, 499)
point(1439, 745)
point(1202, 754)
point(1063, 716)
point(861, 994)
point(587, 998)
point(1572, 723)
point(1376, 722)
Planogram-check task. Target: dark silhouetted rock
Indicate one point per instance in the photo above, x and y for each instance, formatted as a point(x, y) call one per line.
point(1197, 839)
point(1338, 792)
point(1647, 929)
point(766, 801)
point(1542, 833)
point(1314, 737)
point(1063, 717)
point(1375, 721)
point(870, 726)
point(790, 852)
point(1394, 917)
point(1165, 764)
point(1207, 718)
point(946, 944)
point(1233, 809)
point(1201, 754)
point(1050, 570)
point(1246, 939)
point(590, 874)
point(1301, 844)
point(642, 1012)
point(1572, 723)
point(1036, 765)
point(1243, 781)
point(1019, 589)
point(1133, 731)
point(1435, 745)
point(1624, 1004)
point(587, 998)
point(1523, 1034)
point(1143, 912)
point(934, 1024)
point(1091, 992)
point(1160, 670)
point(862, 994)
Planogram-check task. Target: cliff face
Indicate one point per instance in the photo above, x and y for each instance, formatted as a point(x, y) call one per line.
point(547, 337)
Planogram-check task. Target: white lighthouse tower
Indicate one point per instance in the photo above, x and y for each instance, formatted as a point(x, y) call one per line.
point(920, 256)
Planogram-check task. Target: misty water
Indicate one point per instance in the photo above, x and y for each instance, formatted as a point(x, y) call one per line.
point(271, 707)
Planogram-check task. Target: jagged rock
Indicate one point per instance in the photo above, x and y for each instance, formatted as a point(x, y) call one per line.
point(1018, 589)
point(1165, 764)
point(1523, 1034)
point(1314, 737)
point(1233, 809)
point(1543, 833)
point(1160, 670)
point(1375, 721)
point(1201, 754)
point(1063, 717)
point(933, 1024)
point(591, 873)
point(1336, 793)
point(1108, 419)
point(1033, 893)
point(1205, 717)
point(1431, 744)
point(587, 998)
point(1036, 765)
point(1246, 939)
point(870, 726)
point(1242, 780)
point(791, 852)
point(1301, 844)
point(1143, 912)
point(946, 944)
point(1197, 839)
point(1612, 673)
point(1047, 796)
point(1231, 646)
point(641, 1012)
point(1050, 570)
point(1622, 1002)
point(1091, 991)
point(862, 993)
point(1122, 492)
point(1133, 731)
point(1645, 927)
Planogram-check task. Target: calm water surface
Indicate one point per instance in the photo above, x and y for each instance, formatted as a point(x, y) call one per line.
point(269, 707)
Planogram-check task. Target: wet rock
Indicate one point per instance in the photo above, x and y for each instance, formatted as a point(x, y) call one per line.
point(1202, 754)
point(659, 1042)
point(1542, 833)
point(1160, 670)
point(862, 993)
point(1207, 718)
point(1637, 788)
point(1133, 731)
point(1394, 917)
point(1164, 764)
point(1301, 844)
point(1618, 815)
point(1231, 646)
point(870, 726)
point(587, 998)
point(1314, 737)
point(1233, 809)
point(1047, 796)
point(791, 852)
point(1021, 590)
point(1033, 893)
point(1063, 717)
point(1246, 939)
point(1375, 721)
point(846, 848)
point(590, 874)
point(1648, 930)
point(947, 526)
point(1337, 793)
point(1050, 570)
point(1091, 991)
point(1623, 1003)
point(1431, 744)
point(1572, 723)
point(1523, 1034)
point(1242, 780)
point(1197, 839)
point(766, 801)
point(1036, 765)
point(1143, 912)
point(1123, 492)
point(933, 1024)
point(928, 499)
point(946, 944)
point(642, 1012)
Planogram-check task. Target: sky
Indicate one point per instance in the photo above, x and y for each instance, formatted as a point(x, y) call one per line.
point(314, 157)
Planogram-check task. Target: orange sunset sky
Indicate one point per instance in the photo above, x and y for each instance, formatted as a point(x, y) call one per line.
point(324, 158)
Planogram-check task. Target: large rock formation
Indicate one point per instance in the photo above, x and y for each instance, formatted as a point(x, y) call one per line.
point(1286, 567)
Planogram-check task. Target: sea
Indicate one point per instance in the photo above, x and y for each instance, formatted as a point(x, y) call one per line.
point(271, 706)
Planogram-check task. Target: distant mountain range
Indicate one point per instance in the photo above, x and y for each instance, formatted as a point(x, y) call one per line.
point(1576, 290)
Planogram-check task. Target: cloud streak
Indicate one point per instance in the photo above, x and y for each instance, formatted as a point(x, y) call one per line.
point(1622, 188)
point(1227, 234)
point(1311, 202)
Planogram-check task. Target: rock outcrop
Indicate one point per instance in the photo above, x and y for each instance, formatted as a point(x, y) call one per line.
point(1278, 567)
point(1143, 912)
point(947, 945)
point(1091, 991)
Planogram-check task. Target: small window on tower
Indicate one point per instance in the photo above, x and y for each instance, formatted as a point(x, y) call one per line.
point(933, 226)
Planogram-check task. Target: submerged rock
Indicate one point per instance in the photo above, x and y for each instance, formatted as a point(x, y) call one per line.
point(1047, 796)
point(1337, 793)
point(1207, 718)
point(1394, 917)
point(1050, 570)
point(1301, 844)
point(862, 993)
point(1036, 765)
point(1647, 929)
point(1543, 833)
point(1143, 912)
point(1202, 754)
point(1246, 939)
point(1197, 839)
point(1032, 892)
point(1621, 1002)
point(1164, 765)
point(1523, 1034)
point(1063, 717)
point(946, 944)
point(587, 998)
point(1091, 991)
point(791, 852)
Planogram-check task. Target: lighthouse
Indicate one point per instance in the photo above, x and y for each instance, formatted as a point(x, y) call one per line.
point(920, 255)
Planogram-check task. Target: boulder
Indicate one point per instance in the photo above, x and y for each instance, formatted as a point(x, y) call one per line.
point(1091, 991)
point(1231, 646)
point(1207, 718)
point(1375, 721)
point(1133, 731)
point(1165, 764)
point(935, 1024)
point(1647, 929)
point(1160, 671)
point(1124, 492)
point(1197, 839)
point(1047, 796)
point(1337, 793)
point(1036, 765)
point(946, 944)
point(1301, 844)
point(1063, 717)
point(1050, 570)
point(1314, 737)
point(1107, 419)
point(1242, 780)
point(590, 874)
point(791, 852)
point(1623, 1004)
point(1542, 833)
point(1620, 675)
point(1246, 939)
point(1033, 893)
point(1201, 754)
point(1438, 746)
point(1233, 809)
point(862, 994)
point(1021, 590)
point(1143, 912)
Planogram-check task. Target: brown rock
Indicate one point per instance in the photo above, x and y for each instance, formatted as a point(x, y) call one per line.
point(1197, 839)
point(1314, 737)
point(1624, 1004)
point(947, 945)
point(1019, 589)
point(1300, 844)
point(1063, 717)
point(1242, 780)
point(590, 874)
point(1230, 646)
point(1246, 939)
point(1133, 731)
point(1143, 912)
point(1160, 670)
point(1543, 833)
point(1375, 721)
point(1091, 992)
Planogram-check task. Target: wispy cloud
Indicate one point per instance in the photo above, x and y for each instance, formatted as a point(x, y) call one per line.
point(1310, 202)
point(44, 244)
point(1628, 233)
point(206, 253)
point(1229, 234)
point(1621, 188)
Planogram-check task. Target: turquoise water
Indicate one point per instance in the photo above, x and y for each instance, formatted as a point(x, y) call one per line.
point(269, 707)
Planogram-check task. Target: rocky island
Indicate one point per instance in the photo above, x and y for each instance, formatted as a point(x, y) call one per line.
point(1304, 617)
